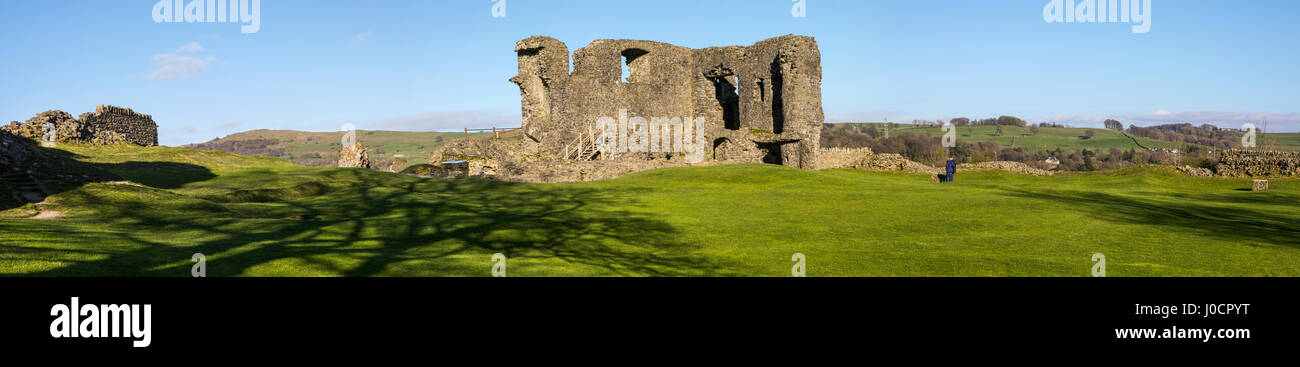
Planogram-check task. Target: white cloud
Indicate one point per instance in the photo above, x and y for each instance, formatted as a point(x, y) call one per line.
point(229, 125)
point(191, 48)
point(361, 38)
point(186, 62)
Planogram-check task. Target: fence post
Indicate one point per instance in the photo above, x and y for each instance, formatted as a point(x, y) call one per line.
point(467, 132)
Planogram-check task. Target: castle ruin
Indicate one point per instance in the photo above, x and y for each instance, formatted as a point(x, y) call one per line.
point(135, 128)
point(756, 104)
point(106, 125)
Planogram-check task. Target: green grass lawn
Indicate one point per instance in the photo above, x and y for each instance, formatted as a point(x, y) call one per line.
point(255, 216)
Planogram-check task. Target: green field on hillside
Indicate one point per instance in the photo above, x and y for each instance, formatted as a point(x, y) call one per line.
point(322, 148)
point(1281, 141)
point(256, 216)
point(1047, 138)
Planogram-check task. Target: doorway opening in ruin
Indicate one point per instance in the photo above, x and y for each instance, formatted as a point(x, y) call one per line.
point(631, 67)
point(778, 109)
point(722, 149)
point(771, 153)
point(729, 99)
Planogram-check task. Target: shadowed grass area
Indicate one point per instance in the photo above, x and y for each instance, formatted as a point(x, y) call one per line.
point(265, 217)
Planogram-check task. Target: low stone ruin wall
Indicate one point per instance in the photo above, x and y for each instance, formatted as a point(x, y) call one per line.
point(107, 125)
point(893, 162)
point(135, 128)
point(1013, 167)
point(516, 159)
point(1246, 163)
point(832, 158)
point(16, 153)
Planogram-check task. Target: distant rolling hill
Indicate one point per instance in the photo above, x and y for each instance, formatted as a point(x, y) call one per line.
point(321, 149)
point(1047, 138)
point(1072, 139)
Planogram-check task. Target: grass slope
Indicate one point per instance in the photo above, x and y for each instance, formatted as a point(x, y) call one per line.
point(254, 216)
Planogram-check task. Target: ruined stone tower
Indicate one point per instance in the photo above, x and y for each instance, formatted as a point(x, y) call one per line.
point(760, 103)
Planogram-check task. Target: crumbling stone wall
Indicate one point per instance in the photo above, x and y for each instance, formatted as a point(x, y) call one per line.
point(16, 153)
point(760, 103)
point(354, 156)
point(135, 128)
point(107, 125)
point(1237, 163)
point(832, 158)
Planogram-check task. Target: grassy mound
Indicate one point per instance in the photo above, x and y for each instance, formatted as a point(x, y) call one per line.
point(254, 216)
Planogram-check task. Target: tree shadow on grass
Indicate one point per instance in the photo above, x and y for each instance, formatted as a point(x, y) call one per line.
point(382, 226)
point(57, 171)
point(1232, 223)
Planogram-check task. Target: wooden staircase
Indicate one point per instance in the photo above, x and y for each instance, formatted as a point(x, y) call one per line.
point(583, 148)
point(588, 153)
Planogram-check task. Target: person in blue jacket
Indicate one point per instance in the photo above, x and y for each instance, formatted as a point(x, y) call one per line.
point(951, 167)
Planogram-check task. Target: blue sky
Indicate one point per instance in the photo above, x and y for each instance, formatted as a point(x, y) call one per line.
point(444, 64)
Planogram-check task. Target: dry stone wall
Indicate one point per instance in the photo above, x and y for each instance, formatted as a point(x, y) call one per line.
point(133, 127)
point(832, 158)
point(1246, 163)
point(107, 125)
point(18, 152)
point(1013, 167)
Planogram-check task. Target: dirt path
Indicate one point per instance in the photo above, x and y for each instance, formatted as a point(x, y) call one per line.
point(47, 214)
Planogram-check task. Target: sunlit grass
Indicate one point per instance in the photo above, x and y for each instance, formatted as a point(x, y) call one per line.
point(265, 217)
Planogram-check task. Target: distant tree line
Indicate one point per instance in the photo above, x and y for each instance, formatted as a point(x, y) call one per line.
point(1000, 121)
point(250, 147)
point(1206, 134)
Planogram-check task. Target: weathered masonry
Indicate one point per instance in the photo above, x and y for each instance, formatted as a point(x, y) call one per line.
point(135, 128)
point(760, 103)
point(106, 125)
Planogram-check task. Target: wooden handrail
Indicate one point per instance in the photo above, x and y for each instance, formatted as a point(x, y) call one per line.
point(496, 131)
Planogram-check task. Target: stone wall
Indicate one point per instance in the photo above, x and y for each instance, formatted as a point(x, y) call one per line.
point(760, 103)
point(107, 125)
point(16, 153)
point(135, 128)
point(1013, 167)
point(1242, 163)
point(832, 158)
point(354, 156)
